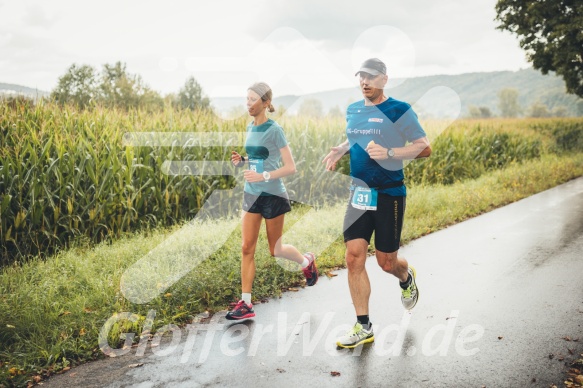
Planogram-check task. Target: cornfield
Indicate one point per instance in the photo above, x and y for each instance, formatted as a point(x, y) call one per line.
point(66, 174)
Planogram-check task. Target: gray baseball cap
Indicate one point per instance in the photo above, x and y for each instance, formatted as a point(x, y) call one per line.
point(373, 66)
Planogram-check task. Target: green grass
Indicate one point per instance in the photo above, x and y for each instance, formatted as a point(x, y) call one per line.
point(51, 310)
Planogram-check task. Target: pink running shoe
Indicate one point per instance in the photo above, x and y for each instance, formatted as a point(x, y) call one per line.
point(241, 310)
point(311, 272)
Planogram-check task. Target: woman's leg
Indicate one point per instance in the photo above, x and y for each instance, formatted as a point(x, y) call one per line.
point(251, 222)
point(274, 227)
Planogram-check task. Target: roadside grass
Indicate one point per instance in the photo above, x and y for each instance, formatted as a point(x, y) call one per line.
point(51, 310)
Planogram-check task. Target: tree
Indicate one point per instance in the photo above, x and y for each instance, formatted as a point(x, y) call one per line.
point(236, 111)
point(560, 111)
point(508, 103)
point(538, 109)
point(335, 111)
point(121, 89)
point(550, 32)
point(114, 87)
point(311, 107)
point(190, 96)
point(480, 111)
point(77, 86)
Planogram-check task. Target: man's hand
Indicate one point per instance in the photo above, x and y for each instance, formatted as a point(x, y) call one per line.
point(376, 151)
point(253, 176)
point(419, 148)
point(335, 154)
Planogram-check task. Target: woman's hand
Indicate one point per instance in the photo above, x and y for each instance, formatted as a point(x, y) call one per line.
point(253, 176)
point(237, 159)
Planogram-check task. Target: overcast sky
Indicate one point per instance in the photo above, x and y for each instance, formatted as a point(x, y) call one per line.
point(295, 46)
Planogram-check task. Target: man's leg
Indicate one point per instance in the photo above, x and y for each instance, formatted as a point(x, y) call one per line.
point(393, 264)
point(399, 267)
point(358, 229)
point(358, 281)
point(388, 224)
point(359, 286)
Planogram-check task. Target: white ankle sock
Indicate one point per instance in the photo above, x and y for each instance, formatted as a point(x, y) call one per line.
point(246, 296)
point(305, 263)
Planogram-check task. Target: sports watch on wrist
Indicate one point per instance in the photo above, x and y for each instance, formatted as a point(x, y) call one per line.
point(266, 176)
point(390, 153)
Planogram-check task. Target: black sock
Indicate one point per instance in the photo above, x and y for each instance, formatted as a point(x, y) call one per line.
point(407, 283)
point(362, 319)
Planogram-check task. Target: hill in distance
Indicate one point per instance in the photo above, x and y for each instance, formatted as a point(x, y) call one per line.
point(11, 90)
point(470, 89)
point(478, 89)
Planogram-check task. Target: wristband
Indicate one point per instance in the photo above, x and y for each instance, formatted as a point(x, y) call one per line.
point(241, 163)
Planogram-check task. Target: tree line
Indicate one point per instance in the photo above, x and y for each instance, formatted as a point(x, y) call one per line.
point(83, 86)
point(509, 106)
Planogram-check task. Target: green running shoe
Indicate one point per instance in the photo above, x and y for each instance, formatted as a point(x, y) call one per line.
point(410, 296)
point(355, 337)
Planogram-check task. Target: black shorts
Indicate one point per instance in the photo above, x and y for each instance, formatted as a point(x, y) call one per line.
point(386, 222)
point(269, 206)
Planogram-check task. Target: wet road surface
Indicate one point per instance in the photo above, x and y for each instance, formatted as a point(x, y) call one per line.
point(497, 295)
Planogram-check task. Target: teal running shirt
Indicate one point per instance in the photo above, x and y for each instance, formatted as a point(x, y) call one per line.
point(263, 146)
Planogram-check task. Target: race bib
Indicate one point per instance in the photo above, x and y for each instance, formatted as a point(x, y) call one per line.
point(256, 165)
point(364, 198)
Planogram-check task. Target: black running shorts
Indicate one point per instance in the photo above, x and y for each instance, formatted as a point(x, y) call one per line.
point(386, 222)
point(269, 206)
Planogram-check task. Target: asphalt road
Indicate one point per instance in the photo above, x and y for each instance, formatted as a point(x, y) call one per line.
point(498, 295)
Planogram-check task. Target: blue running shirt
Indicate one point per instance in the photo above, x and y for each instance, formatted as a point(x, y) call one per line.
point(391, 124)
point(263, 146)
